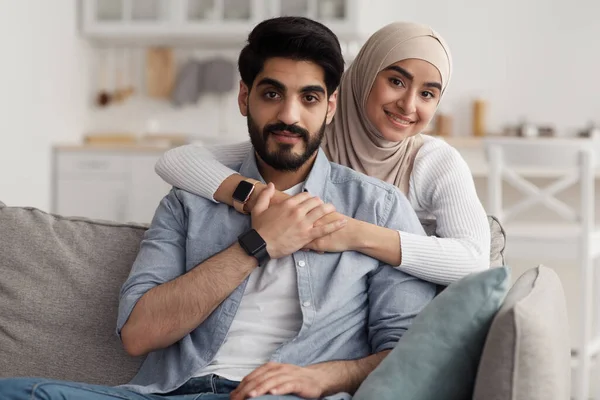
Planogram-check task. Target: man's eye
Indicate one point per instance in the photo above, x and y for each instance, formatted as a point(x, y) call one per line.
point(271, 95)
point(310, 98)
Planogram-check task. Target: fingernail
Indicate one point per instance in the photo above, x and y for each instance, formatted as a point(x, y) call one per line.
point(252, 393)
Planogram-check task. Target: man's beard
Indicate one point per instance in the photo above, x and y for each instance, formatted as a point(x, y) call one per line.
point(283, 159)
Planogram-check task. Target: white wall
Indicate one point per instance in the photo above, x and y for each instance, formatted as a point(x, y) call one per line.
point(534, 59)
point(44, 89)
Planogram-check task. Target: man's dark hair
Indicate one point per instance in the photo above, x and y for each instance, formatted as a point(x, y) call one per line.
point(296, 38)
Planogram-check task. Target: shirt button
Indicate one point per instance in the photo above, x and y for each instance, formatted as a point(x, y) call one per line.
point(301, 263)
point(306, 304)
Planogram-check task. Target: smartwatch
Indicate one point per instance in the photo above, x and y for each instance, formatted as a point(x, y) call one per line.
point(255, 246)
point(242, 193)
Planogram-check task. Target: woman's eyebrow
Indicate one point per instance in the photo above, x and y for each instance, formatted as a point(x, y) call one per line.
point(411, 77)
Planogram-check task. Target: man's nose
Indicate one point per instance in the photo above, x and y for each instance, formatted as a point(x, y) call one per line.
point(290, 112)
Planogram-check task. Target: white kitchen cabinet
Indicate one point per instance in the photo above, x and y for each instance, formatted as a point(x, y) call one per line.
point(341, 16)
point(126, 19)
point(107, 183)
point(170, 21)
point(218, 21)
point(146, 189)
point(97, 198)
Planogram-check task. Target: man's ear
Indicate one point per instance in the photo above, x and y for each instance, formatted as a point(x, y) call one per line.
point(331, 106)
point(243, 98)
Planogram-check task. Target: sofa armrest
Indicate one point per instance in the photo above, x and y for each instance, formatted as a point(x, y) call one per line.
point(498, 237)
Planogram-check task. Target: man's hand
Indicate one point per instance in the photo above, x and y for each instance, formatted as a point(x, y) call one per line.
point(313, 381)
point(280, 379)
point(289, 226)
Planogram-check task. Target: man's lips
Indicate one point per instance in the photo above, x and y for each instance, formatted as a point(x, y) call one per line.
point(286, 137)
point(286, 133)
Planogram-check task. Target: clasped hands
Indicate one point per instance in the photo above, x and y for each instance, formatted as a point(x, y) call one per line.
point(291, 223)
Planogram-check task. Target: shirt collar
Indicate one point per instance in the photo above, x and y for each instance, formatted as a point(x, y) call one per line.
point(315, 182)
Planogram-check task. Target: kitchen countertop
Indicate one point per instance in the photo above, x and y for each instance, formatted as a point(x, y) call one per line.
point(134, 147)
point(471, 149)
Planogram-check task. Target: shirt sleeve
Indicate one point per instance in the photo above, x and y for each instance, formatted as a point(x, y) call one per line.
point(201, 169)
point(442, 184)
point(161, 257)
point(395, 297)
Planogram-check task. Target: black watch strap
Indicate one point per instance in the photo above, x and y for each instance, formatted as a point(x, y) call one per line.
point(255, 246)
point(262, 256)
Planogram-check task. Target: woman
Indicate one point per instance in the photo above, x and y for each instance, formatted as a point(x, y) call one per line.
point(386, 99)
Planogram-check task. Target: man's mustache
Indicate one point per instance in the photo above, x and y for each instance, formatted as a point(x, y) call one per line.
point(280, 127)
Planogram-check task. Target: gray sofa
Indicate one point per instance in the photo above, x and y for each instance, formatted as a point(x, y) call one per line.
point(60, 279)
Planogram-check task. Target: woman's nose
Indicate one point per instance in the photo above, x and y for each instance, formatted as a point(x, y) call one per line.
point(407, 102)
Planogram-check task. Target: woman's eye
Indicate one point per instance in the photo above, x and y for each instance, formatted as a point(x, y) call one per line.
point(428, 95)
point(396, 82)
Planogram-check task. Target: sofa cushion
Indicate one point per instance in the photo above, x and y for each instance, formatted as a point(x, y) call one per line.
point(527, 352)
point(438, 357)
point(497, 233)
point(59, 286)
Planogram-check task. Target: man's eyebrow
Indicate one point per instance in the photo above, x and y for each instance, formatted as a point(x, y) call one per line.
point(313, 88)
point(410, 76)
point(271, 82)
point(280, 86)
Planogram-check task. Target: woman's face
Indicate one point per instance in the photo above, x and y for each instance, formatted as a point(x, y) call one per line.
point(404, 98)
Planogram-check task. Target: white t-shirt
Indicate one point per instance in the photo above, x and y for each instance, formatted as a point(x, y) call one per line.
point(268, 316)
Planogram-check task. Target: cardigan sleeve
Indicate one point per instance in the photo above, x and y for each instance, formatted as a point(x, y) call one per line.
point(442, 184)
point(201, 169)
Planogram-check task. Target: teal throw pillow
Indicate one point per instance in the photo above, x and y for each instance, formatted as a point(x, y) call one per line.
point(438, 357)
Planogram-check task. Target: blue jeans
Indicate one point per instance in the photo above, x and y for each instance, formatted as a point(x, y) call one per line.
point(210, 387)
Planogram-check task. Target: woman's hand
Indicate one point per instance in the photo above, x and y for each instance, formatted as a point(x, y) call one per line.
point(277, 198)
point(335, 242)
point(224, 193)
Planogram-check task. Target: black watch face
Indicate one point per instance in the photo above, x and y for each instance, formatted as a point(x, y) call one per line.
point(253, 241)
point(242, 191)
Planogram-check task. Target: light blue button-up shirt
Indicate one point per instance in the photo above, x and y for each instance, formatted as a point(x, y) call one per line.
point(352, 305)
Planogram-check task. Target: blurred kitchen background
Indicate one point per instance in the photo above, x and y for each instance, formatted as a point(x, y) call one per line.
point(94, 91)
point(528, 61)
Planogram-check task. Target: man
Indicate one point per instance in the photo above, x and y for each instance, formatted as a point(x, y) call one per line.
point(224, 304)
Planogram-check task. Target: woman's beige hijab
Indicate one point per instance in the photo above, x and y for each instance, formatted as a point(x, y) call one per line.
point(351, 139)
